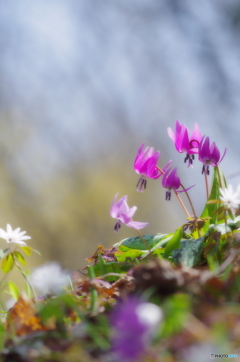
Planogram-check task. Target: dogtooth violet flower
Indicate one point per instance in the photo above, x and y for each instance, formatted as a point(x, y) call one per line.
point(14, 236)
point(185, 140)
point(209, 154)
point(171, 181)
point(230, 198)
point(145, 164)
point(123, 213)
point(134, 324)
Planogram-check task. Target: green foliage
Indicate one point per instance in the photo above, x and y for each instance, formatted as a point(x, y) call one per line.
point(19, 257)
point(138, 244)
point(14, 291)
point(189, 253)
point(176, 310)
point(211, 208)
point(173, 243)
point(7, 263)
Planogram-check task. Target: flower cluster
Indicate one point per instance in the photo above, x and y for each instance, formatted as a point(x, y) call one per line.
point(146, 165)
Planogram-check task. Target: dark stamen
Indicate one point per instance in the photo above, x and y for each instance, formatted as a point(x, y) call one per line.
point(143, 184)
point(190, 159)
point(168, 195)
point(117, 226)
point(205, 170)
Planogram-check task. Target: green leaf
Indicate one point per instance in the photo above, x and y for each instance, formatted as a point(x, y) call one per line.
point(14, 291)
point(4, 252)
point(27, 250)
point(190, 252)
point(137, 242)
point(176, 310)
point(124, 253)
point(173, 243)
point(19, 257)
point(7, 263)
point(112, 267)
point(210, 209)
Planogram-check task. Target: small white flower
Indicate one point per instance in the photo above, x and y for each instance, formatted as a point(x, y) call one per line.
point(49, 278)
point(14, 236)
point(229, 198)
point(150, 315)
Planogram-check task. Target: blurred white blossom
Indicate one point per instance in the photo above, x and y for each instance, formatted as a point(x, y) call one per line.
point(14, 236)
point(150, 315)
point(49, 278)
point(230, 198)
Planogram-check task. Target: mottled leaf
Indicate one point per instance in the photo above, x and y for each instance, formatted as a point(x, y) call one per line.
point(189, 253)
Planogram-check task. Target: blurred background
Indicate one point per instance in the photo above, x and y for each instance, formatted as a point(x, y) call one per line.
point(83, 84)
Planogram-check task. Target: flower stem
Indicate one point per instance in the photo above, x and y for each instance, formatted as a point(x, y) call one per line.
point(206, 183)
point(180, 200)
point(182, 204)
point(144, 241)
point(219, 177)
point(190, 201)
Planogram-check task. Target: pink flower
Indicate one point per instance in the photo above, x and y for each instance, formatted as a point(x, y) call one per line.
point(209, 154)
point(171, 181)
point(145, 164)
point(120, 210)
point(185, 140)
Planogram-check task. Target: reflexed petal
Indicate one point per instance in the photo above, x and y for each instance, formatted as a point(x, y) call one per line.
point(131, 212)
point(137, 224)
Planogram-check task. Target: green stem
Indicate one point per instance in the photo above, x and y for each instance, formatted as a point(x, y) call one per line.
point(219, 177)
point(206, 183)
point(180, 200)
point(144, 241)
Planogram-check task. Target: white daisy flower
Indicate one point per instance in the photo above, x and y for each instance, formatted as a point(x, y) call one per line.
point(14, 236)
point(230, 198)
point(49, 278)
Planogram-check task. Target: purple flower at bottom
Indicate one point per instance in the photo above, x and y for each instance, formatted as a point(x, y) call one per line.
point(145, 164)
point(134, 324)
point(123, 213)
point(209, 154)
point(171, 181)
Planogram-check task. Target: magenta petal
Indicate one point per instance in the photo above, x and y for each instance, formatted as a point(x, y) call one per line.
point(196, 137)
point(179, 191)
point(139, 152)
point(137, 224)
point(171, 134)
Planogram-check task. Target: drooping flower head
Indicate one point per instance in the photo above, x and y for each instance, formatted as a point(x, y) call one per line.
point(145, 164)
point(134, 324)
point(230, 198)
point(14, 236)
point(209, 154)
point(185, 140)
point(171, 181)
point(123, 213)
